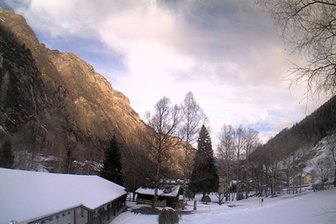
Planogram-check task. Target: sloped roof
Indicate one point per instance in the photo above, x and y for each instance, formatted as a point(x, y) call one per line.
point(150, 191)
point(26, 195)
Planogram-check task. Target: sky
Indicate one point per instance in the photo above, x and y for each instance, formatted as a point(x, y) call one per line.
point(228, 53)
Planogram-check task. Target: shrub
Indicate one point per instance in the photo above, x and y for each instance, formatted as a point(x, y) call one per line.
point(168, 216)
point(240, 196)
point(206, 199)
point(189, 194)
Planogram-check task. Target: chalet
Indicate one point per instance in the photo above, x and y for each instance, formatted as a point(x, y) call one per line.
point(29, 197)
point(167, 196)
point(308, 178)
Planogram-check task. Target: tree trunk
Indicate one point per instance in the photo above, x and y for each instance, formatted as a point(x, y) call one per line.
point(334, 158)
point(185, 171)
point(133, 196)
point(156, 185)
point(335, 177)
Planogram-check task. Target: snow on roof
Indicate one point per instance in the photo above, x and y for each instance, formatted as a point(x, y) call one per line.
point(26, 195)
point(161, 192)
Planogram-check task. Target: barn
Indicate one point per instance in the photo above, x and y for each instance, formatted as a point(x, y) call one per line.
point(29, 197)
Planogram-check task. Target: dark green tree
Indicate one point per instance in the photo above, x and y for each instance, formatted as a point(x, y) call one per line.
point(6, 155)
point(204, 177)
point(112, 163)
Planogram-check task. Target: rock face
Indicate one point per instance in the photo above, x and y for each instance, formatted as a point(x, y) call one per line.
point(54, 103)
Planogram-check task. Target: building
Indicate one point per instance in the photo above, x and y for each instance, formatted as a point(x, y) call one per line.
point(29, 197)
point(308, 178)
point(168, 196)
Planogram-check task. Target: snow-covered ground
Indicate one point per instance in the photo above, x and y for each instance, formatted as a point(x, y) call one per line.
point(306, 208)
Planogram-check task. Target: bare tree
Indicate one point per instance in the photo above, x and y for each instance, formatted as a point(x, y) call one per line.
point(252, 141)
point(309, 28)
point(240, 145)
point(334, 159)
point(235, 146)
point(225, 151)
point(324, 170)
point(164, 123)
point(193, 118)
point(332, 147)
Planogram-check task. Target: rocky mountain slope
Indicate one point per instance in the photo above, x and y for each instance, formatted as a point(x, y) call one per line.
point(54, 103)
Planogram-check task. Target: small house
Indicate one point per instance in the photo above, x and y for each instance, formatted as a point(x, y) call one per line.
point(29, 197)
point(167, 196)
point(308, 178)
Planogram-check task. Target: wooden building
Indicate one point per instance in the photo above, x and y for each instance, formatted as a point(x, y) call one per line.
point(167, 196)
point(29, 197)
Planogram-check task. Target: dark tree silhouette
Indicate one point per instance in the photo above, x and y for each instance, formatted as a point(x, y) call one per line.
point(6, 155)
point(204, 176)
point(112, 163)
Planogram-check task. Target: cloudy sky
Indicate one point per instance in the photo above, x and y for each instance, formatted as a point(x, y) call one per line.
point(227, 52)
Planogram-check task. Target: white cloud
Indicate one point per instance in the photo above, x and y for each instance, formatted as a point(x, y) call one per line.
point(226, 52)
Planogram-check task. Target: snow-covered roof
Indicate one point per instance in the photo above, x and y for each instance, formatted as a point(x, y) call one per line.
point(26, 195)
point(173, 192)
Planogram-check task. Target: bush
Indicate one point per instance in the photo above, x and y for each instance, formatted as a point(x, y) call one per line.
point(206, 199)
point(6, 155)
point(240, 196)
point(189, 194)
point(168, 216)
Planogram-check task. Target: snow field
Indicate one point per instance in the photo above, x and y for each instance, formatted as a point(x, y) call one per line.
point(306, 208)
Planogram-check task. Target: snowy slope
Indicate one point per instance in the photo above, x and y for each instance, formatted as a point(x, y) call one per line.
point(321, 160)
point(309, 208)
point(317, 162)
point(26, 194)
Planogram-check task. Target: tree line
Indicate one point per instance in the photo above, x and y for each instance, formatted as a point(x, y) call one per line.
point(169, 127)
point(279, 161)
point(240, 165)
point(233, 152)
point(173, 126)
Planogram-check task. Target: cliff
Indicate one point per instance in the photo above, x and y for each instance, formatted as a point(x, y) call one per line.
point(54, 104)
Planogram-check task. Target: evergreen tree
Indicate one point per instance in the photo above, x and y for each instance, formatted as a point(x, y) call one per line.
point(112, 163)
point(6, 155)
point(204, 176)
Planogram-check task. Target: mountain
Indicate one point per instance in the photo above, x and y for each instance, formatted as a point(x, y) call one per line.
point(308, 132)
point(300, 154)
point(55, 105)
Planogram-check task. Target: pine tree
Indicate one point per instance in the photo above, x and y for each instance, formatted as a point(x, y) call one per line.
point(204, 176)
point(6, 155)
point(112, 163)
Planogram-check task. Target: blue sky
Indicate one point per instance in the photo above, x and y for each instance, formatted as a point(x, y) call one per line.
point(227, 52)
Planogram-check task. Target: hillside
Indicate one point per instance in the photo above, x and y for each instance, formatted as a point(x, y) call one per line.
point(307, 132)
point(300, 154)
point(57, 110)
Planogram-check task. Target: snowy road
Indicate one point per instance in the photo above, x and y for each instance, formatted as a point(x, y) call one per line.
point(310, 208)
